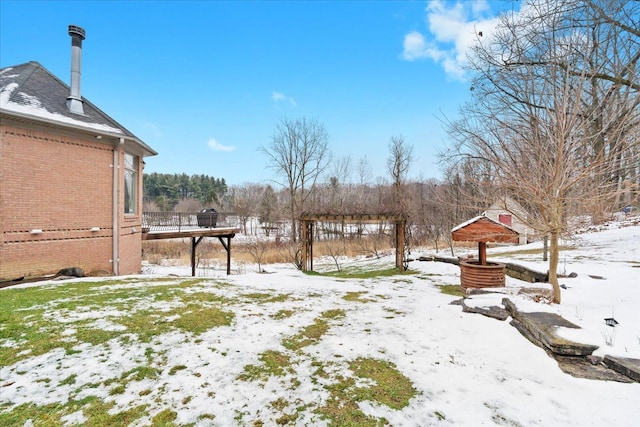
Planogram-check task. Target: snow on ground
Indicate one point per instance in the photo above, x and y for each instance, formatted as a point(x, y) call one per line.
point(468, 369)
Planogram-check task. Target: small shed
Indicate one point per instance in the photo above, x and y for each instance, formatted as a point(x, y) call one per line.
point(510, 213)
point(478, 273)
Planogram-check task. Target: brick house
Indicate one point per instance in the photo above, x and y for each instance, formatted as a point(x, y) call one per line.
point(70, 178)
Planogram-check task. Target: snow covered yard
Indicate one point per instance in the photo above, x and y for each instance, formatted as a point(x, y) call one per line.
point(287, 348)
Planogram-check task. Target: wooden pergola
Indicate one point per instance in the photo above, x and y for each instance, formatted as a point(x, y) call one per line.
point(308, 220)
point(224, 234)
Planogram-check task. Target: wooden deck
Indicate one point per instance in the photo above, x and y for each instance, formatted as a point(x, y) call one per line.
point(224, 235)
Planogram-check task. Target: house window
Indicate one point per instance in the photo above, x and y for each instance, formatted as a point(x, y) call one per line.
point(505, 219)
point(130, 184)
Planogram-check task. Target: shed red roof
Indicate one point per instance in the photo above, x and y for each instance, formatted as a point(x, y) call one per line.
point(483, 229)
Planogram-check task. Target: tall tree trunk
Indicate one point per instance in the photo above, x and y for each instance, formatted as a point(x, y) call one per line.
point(554, 257)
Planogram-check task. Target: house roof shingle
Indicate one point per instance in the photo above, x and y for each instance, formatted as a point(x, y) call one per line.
point(31, 91)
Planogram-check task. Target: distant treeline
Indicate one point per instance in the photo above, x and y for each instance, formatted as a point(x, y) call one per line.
point(166, 190)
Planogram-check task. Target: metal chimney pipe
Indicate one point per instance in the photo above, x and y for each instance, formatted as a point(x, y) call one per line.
point(74, 100)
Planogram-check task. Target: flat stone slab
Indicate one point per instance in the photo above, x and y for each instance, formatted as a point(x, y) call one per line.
point(624, 365)
point(543, 326)
point(493, 312)
point(582, 367)
point(573, 358)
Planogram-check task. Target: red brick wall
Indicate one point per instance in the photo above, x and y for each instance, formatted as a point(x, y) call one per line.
point(63, 185)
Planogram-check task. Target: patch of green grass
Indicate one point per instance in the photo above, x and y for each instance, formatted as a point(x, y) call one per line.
point(311, 334)
point(202, 298)
point(35, 318)
point(279, 404)
point(176, 368)
point(273, 363)
point(94, 335)
point(287, 419)
point(264, 298)
point(141, 373)
point(341, 408)
point(207, 417)
point(164, 418)
point(95, 411)
point(333, 314)
point(389, 387)
point(357, 297)
point(454, 290)
point(146, 324)
point(98, 414)
point(119, 389)
point(283, 314)
point(46, 415)
point(71, 379)
point(198, 319)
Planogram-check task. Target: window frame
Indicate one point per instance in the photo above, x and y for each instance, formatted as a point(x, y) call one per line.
point(131, 178)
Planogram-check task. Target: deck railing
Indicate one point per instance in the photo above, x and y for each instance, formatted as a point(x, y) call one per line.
point(177, 221)
point(169, 221)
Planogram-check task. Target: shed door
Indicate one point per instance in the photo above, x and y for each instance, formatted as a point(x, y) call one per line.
point(505, 219)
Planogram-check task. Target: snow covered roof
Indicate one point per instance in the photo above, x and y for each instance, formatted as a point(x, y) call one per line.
point(31, 91)
point(484, 229)
point(477, 218)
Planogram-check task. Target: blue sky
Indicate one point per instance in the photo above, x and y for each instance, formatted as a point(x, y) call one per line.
point(204, 83)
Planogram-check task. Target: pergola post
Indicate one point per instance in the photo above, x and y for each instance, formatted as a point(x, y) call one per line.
point(307, 222)
point(307, 245)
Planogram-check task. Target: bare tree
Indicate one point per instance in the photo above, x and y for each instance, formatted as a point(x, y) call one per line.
point(257, 249)
point(364, 171)
point(398, 164)
point(336, 250)
point(550, 118)
point(244, 202)
point(340, 173)
point(269, 211)
point(299, 152)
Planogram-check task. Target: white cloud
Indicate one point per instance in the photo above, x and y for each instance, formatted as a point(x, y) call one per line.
point(415, 46)
point(278, 96)
point(452, 29)
point(216, 146)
